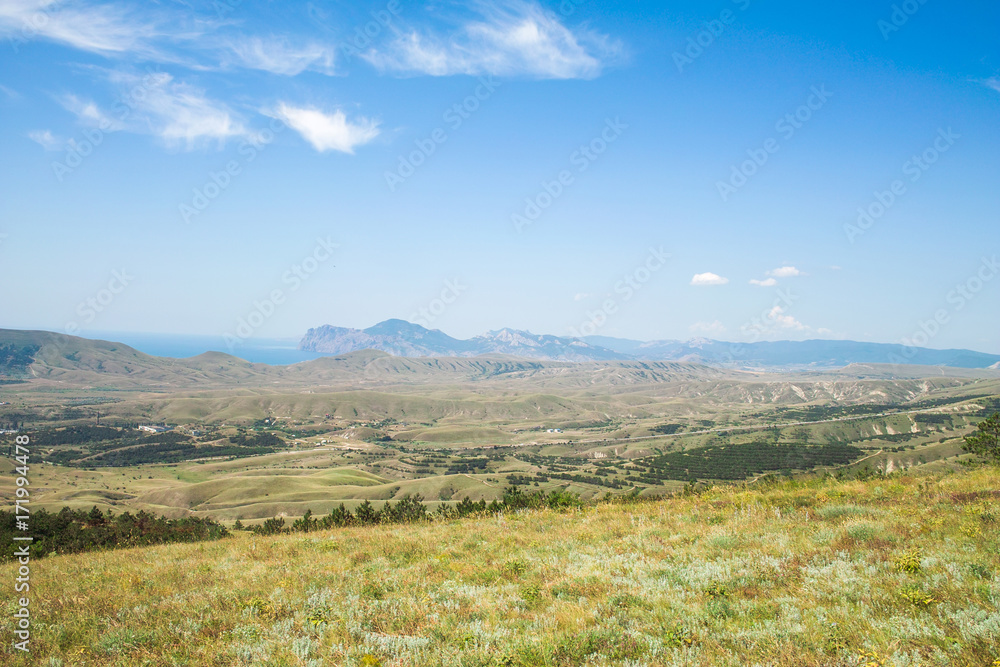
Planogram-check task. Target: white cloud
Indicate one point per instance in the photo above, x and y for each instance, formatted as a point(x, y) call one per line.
point(279, 57)
point(785, 272)
point(701, 279)
point(580, 296)
point(10, 92)
point(46, 140)
point(994, 83)
point(518, 38)
point(767, 282)
point(328, 131)
point(708, 328)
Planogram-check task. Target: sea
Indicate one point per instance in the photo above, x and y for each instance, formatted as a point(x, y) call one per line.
point(272, 351)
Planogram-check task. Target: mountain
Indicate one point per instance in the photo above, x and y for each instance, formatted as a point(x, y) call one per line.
point(817, 354)
point(400, 338)
point(369, 383)
point(403, 339)
point(396, 337)
point(526, 344)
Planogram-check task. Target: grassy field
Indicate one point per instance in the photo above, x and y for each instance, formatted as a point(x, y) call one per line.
point(899, 571)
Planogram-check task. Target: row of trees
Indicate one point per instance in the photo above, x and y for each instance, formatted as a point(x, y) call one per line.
point(411, 509)
point(73, 531)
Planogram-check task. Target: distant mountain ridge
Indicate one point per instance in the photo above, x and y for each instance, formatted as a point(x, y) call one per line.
point(404, 339)
point(48, 360)
point(401, 338)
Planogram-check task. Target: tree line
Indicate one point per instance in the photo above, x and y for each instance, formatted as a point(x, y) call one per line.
point(74, 531)
point(411, 509)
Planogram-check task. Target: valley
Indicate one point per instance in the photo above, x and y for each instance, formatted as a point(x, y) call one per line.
point(248, 442)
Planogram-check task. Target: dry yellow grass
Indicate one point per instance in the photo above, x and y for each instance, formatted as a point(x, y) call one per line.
point(897, 571)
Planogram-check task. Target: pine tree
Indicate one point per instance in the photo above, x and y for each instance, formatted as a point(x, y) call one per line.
point(366, 514)
point(985, 443)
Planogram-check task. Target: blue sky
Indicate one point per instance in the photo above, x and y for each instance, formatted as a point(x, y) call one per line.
point(255, 169)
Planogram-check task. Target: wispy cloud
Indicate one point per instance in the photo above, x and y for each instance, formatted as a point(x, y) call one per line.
point(89, 113)
point(328, 131)
point(767, 282)
point(703, 279)
point(46, 140)
point(514, 39)
point(178, 113)
point(105, 28)
point(993, 82)
point(181, 113)
point(278, 56)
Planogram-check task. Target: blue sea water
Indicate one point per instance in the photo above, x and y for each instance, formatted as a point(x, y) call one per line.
point(273, 351)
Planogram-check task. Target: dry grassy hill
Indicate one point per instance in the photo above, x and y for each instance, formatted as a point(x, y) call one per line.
point(892, 572)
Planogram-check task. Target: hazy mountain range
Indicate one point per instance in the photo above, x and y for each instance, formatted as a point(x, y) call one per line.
point(400, 338)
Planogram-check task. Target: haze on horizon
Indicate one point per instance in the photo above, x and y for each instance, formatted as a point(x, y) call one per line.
point(739, 171)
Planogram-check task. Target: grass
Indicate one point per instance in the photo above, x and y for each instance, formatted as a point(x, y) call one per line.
point(897, 571)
